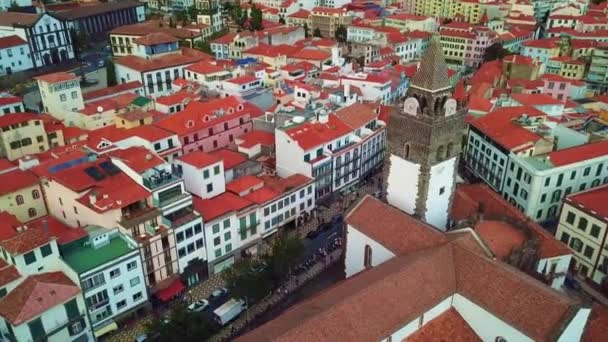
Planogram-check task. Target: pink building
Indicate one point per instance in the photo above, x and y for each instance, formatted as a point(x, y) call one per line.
point(563, 89)
point(212, 125)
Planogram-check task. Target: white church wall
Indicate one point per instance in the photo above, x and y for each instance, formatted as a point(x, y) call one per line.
point(402, 188)
point(441, 184)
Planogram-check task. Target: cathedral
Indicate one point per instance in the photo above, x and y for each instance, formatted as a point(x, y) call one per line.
point(424, 141)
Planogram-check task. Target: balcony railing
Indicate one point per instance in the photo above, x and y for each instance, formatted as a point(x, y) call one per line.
point(180, 220)
point(162, 178)
point(250, 226)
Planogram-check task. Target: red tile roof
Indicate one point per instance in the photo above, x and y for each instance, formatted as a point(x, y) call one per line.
point(219, 205)
point(117, 89)
point(192, 118)
point(244, 184)
point(535, 99)
point(154, 26)
point(8, 99)
point(230, 158)
point(205, 67)
point(200, 159)
point(358, 115)
point(498, 126)
point(593, 200)
point(138, 158)
point(10, 41)
point(17, 118)
point(597, 325)
point(448, 326)
point(155, 39)
point(16, 180)
point(183, 96)
point(578, 153)
point(245, 79)
point(186, 57)
point(8, 273)
point(541, 43)
point(57, 77)
point(501, 237)
point(470, 198)
point(312, 134)
point(114, 192)
point(254, 138)
point(300, 14)
point(37, 294)
point(63, 232)
point(26, 240)
point(393, 229)
point(310, 54)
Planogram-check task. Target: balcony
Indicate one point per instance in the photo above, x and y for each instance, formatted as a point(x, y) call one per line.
point(180, 218)
point(99, 305)
point(131, 217)
point(245, 228)
point(159, 178)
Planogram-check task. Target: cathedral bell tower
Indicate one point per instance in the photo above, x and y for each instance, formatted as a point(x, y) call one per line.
point(424, 139)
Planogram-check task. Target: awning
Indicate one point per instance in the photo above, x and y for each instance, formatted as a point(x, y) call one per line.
point(106, 329)
point(171, 291)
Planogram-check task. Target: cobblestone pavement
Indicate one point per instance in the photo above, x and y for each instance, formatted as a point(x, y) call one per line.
point(203, 290)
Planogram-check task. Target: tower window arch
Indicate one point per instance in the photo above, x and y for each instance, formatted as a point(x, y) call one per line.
point(32, 212)
point(19, 200)
point(406, 150)
point(450, 149)
point(440, 153)
point(35, 194)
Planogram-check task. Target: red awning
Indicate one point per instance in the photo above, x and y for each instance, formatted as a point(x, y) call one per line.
point(171, 291)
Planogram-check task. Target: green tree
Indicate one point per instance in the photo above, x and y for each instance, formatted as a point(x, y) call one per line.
point(14, 7)
point(255, 24)
point(494, 52)
point(110, 73)
point(316, 32)
point(182, 325)
point(306, 33)
point(341, 34)
point(248, 278)
point(192, 12)
point(285, 253)
point(203, 46)
point(181, 17)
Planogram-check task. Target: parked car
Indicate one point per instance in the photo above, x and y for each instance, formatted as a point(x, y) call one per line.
point(199, 305)
point(218, 294)
point(312, 234)
point(141, 338)
point(337, 219)
point(228, 311)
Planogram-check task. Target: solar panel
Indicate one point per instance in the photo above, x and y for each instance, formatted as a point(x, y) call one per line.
point(109, 168)
point(94, 173)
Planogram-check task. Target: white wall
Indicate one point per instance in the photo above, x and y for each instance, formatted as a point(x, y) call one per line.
point(355, 251)
point(574, 330)
point(199, 252)
point(484, 324)
point(289, 156)
point(402, 181)
point(15, 58)
point(562, 261)
point(438, 202)
point(197, 184)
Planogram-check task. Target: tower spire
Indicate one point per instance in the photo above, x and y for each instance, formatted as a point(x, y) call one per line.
point(432, 75)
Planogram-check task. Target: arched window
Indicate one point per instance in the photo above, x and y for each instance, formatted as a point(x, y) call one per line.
point(595, 183)
point(19, 199)
point(31, 212)
point(440, 153)
point(367, 257)
point(406, 150)
point(35, 194)
point(450, 149)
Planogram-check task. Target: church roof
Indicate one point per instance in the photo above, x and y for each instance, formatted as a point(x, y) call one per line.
point(433, 71)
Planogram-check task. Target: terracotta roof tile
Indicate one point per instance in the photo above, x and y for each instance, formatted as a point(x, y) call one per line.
point(219, 205)
point(119, 88)
point(593, 200)
point(449, 326)
point(8, 273)
point(230, 158)
point(597, 325)
point(501, 237)
point(63, 232)
point(578, 153)
point(357, 115)
point(254, 138)
point(10, 41)
point(25, 241)
point(155, 39)
point(37, 294)
point(17, 18)
point(199, 159)
point(311, 134)
point(187, 56)
point(138, 158)
point(498, 126)
point(393, 229)
point(57, 77)
point(16, 180)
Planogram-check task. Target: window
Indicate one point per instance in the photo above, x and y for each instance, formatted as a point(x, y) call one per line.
point(46, 250)
point(198, 228)
point(216, 228)
point(37, 329)
point(227, 236)
point(595, 230)
point(576, 244)
point(570, 217)
point(181, 252)
point(19, 199)
point(31, 212)
point(582, 223)
point(216, 170)
point(62, 97)
point(118, 289)
point(200, 243)
point(134, 281)
point(115, 273)
point(217, 241)
point(35, 194)
point(132, 265)
point(191, 248)
point(121, 304)
point(218, 253)
point(137, 296)
point(74, 95)
point(442, 190)
point(586, 171)
point(179, 237)
point(588, 252)
point(189, 233)
point(206, 174)
point(29, 258)
point(228, 248)
point(367, 257)
point(209, 187)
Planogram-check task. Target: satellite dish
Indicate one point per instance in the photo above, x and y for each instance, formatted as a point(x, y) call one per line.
point(99, 109)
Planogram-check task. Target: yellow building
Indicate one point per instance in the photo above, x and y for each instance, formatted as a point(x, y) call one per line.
point(573, 69)
point(133, 119)
point(583, 226)
point(22, 134)
point(60, 94)
point(328, 19)
point(21, 195)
